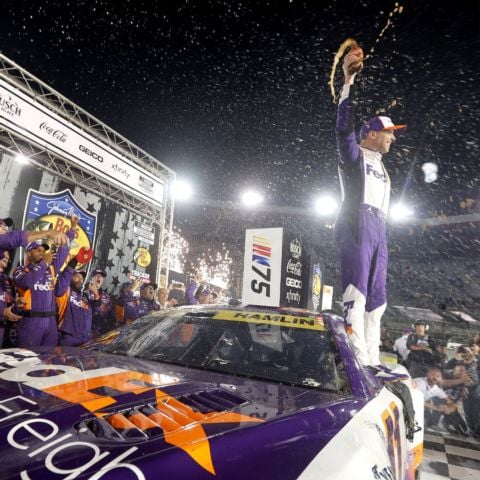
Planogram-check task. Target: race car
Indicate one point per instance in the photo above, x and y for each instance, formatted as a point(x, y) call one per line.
point(207, 393)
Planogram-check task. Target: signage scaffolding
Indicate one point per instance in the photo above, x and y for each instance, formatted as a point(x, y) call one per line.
point(60, 137)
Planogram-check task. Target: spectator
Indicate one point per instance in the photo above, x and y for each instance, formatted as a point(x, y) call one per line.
point(21, 238)
point(75, 307)
point(176, 297)
point(104, 312)
point(7, 296)
point(456, 383)
point(215, 298)
point(400, 345)
point(205, 297)
point(36, 282)
point(422, 349)
point(162, 296)
point(143, 305)
point(464, 356)
point(438, 403)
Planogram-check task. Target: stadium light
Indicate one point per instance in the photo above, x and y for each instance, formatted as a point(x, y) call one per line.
point(22, 159)
point(430, 170)
point(400, 212)
point(182, 190)
point(326, 205)
point(250, 198)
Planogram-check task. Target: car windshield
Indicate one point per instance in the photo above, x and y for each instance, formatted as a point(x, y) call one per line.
point(299, 351)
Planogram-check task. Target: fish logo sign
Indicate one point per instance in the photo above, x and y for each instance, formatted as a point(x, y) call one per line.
point(44, 211)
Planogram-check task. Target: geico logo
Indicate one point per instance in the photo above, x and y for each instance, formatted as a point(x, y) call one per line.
point(43, 287)
point(94, 155)
point(293, 282)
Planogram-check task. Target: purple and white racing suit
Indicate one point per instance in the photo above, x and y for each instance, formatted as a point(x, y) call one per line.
point(360, 233)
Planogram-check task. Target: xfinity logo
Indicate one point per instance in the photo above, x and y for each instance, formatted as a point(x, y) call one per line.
point(293, 282)
point(293, 297)
point(295, 248)
point(88, 152)
point(9, 106)
point(372, 171)
point(57, 134)
point(295, 268)
point(121, 170)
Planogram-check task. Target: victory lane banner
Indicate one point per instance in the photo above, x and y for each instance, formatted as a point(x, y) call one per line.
point(44, 211)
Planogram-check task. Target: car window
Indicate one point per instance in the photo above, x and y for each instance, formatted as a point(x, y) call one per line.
point(266, 346)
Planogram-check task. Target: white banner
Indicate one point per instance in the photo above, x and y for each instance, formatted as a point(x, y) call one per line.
point(262, 266)
point(25, 116)
point(327, 297)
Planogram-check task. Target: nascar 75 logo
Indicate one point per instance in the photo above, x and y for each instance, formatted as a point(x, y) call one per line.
point(261, 264)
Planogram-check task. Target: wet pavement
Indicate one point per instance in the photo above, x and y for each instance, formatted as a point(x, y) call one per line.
point(448, 456)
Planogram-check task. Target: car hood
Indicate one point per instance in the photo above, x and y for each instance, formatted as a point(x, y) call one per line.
point(77, 411)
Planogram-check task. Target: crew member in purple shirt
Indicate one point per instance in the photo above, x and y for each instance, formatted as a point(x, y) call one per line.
point(144, 305)
point(7, 296)
point(104, 311)
point(75, 307)
point(21, 238)
point(360, 229)
point(36, 282)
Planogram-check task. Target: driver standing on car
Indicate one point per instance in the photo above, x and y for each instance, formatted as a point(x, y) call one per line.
point(360, 229)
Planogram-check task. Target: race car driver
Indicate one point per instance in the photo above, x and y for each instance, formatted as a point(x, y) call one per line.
point(360, 230)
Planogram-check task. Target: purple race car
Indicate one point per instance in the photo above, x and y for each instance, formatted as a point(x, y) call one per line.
point(197, 393)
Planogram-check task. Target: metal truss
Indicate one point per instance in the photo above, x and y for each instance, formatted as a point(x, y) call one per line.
point(72, 172)
point(53, 100)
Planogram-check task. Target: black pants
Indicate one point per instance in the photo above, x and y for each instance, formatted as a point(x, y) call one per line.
point(452, 421)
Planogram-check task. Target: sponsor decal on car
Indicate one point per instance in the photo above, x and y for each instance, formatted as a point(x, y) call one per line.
point(308, 323)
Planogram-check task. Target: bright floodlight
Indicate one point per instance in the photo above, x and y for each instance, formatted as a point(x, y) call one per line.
point(430, 170)
point(400, 212)
point(181, 190)
point(326, 205)
point(251, 198)
point(21, 159)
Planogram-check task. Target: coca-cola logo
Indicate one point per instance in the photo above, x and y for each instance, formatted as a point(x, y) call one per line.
point(9, 106)
point(294, 268)
point(55, 133)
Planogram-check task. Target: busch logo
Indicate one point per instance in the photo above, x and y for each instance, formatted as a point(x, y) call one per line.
point(295, 268)
point(372, 171)
point(293, 282)
point(9, 106)
point(295, 248)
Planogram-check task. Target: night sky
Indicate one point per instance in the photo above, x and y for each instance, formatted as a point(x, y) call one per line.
point(232, 94)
